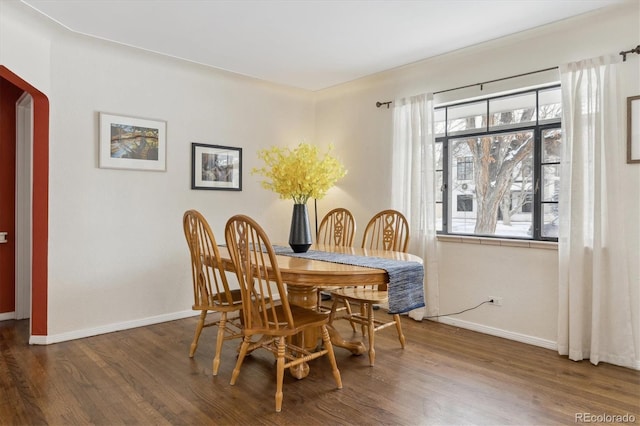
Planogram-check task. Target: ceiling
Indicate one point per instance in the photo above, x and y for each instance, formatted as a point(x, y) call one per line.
point(309, 44)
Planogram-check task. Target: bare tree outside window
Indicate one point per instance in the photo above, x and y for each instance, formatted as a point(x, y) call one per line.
point(492, 166)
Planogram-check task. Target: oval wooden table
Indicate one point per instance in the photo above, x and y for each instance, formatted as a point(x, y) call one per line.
point(304, 276)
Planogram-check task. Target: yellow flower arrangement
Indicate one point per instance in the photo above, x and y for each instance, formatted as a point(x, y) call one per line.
point(300, 173)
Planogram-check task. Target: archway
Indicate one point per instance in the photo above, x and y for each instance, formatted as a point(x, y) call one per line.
point(40, 204)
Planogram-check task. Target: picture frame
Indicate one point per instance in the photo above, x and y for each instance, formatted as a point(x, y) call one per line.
point(633, 129)
point(132, 143)
point(216, 167)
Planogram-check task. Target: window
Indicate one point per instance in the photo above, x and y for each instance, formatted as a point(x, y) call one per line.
point(550, 182)
point(498, 165)
point(440, 186)
point(465, 168)
point(465, 203)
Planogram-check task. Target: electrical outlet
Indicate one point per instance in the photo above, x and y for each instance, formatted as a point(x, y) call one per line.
point(495, 301)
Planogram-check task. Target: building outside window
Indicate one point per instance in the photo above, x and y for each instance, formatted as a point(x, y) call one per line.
point(498, 165)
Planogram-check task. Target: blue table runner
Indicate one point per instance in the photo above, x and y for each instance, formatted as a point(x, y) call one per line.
point(405, 285)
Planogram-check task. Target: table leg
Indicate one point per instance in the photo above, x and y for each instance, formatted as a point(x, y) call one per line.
point(355, 346)
point(307, 297)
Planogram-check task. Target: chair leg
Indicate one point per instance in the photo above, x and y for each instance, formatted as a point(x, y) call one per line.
point(199, 327)
point(363, 314)
point(332, 357)
point(280, 373)
point(347, 305)
point(334, 307)
point(219, 340)
point(396, 318)
point(371, 333)
point(243, 352)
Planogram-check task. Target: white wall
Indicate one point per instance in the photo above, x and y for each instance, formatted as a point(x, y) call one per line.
point(526, 278)
point(25, 45)
point(117, 253)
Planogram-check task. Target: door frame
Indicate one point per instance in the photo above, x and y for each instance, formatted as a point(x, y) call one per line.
point(39, 207)
point(24, 195)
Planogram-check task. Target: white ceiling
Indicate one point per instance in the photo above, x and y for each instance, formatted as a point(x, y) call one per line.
point(310, 44)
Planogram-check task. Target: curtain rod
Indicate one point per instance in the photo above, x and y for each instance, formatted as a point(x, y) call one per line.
point(624, 54)
point(379, 104)
point(496, 80)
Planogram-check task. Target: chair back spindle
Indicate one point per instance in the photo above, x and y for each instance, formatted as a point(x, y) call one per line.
point(210, 285)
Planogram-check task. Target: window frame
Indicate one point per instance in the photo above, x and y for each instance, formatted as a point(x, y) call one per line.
point(537, 221)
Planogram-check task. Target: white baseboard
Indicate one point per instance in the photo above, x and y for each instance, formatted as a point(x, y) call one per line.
point(523, 338)
point(7, 316)
point(109, 328)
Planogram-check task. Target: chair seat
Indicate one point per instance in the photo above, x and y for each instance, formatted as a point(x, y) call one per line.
point(305, 317)
point(236, 297)
point(302, 318)
point(362, 294)
point(326, 291)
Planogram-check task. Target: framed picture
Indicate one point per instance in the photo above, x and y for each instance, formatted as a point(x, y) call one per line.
point(132, 143)
point(216, 167)
point(633, 129)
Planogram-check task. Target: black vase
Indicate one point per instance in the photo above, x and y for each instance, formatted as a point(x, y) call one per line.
point(300, 233)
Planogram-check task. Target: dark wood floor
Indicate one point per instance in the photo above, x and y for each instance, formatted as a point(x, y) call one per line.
point(445, 376)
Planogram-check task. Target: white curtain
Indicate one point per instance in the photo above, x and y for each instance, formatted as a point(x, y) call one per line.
point(413, 183)
point(594, 320)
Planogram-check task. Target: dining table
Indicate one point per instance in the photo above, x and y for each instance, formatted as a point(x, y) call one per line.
point(304, 273)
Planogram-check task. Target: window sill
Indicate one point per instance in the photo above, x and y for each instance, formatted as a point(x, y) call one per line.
point(505, 242)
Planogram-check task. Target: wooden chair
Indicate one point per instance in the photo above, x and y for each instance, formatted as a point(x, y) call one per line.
point(387, 230)
point(337, 228)
point(211, 290)
point(267, 311)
